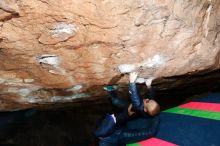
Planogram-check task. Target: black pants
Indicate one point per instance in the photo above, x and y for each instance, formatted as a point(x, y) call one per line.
point(118, 102)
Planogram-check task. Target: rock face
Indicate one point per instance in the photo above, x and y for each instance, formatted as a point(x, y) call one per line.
point(59, 51)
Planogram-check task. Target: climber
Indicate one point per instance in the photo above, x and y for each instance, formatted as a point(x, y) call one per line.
point(138, 121)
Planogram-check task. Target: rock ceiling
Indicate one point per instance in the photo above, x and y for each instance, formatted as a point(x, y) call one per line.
point(60, 50)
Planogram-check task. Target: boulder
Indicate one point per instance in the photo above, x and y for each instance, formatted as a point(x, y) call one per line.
point(65, 51)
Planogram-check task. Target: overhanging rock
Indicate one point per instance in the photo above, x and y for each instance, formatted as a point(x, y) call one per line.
point(59, 51)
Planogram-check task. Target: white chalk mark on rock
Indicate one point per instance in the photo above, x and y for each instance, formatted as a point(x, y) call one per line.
point(58, 71)
point(206, 20)
point(75, 88)
point(48, 59)
point(153, 62)
point(62, 28)
point(126, 68)
point(156, 61)
point(32, 99)
point(24, 92)
point(2, 81)
point(59, 32)
point(54, 61)
point(76, 96)
point(140, 80)
point(28, 80)
point(35, 99)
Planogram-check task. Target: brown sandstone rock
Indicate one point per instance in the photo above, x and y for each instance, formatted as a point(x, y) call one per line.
point(59, 51)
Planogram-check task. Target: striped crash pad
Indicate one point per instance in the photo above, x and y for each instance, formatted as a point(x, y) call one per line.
point(195, 123)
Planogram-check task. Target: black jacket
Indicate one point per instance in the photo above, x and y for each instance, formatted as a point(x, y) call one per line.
point(140, 126)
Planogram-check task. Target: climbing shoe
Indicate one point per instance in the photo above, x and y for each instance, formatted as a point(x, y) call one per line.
point(110, 88)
